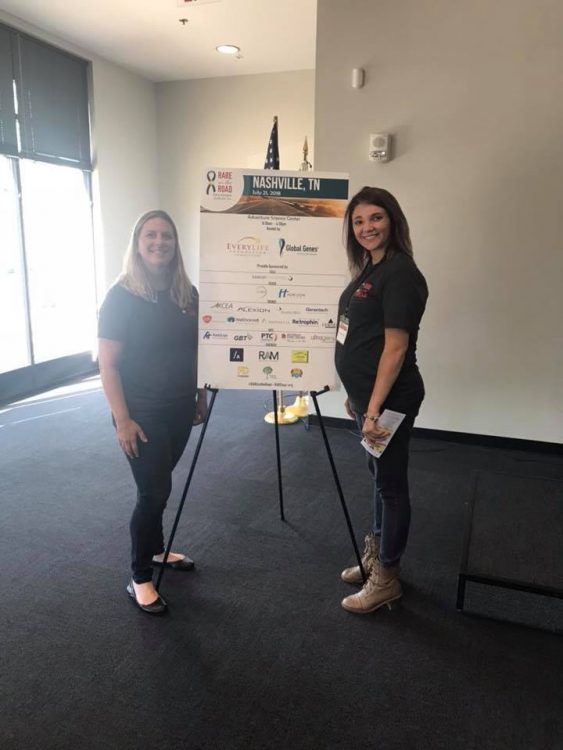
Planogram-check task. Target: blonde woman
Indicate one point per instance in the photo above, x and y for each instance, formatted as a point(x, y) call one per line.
point(148, 327)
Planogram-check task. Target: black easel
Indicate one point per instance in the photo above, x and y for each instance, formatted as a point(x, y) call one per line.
point(278, 457)
point(314, 395)
point(187, 485)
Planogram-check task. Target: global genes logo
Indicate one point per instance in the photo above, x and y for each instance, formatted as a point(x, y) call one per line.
point(301, 249)
point(249, 246)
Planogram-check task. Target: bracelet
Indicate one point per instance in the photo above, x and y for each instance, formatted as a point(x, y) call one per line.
point(370, 417)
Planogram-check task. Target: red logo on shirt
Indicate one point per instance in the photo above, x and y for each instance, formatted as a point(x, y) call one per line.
point(362, 291)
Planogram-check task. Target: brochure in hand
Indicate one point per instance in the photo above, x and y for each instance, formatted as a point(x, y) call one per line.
point(390, 420)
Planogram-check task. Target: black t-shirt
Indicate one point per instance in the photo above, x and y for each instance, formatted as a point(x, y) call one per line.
point(158, 361)
point(389, 294)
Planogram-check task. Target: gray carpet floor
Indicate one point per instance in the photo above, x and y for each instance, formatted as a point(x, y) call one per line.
point(256, 652)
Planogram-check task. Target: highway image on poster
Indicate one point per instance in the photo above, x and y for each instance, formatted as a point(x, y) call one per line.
point(272, 267)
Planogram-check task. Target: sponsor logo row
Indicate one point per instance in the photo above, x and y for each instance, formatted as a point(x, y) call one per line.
point(303, 322)
point(244, 372)
point(298, 356)
point(252, 245)
point(267, 337)
point(264, 308)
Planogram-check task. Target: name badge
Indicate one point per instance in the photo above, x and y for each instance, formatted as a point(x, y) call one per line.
point(342, 332)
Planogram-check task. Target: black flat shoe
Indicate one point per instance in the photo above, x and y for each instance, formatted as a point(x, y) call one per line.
point(154, 608)
point(185, 564)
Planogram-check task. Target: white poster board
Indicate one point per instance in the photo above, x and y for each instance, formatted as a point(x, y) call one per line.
point(272, 267)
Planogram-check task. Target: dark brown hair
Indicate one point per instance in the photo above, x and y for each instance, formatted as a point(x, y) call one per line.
point(399, 235)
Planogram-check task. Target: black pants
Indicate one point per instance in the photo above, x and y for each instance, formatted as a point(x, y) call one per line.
point(391, 499)
point(167, 431)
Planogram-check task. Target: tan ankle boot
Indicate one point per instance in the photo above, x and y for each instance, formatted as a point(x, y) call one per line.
point(382, 587)
point(371, 550)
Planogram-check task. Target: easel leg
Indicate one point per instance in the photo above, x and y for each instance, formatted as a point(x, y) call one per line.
point(280, 488)
point(186, 487)
point(338, 486)
point(460, 592)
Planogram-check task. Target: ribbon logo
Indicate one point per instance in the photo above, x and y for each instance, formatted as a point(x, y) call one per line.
point(281, 243)
point(211, 175)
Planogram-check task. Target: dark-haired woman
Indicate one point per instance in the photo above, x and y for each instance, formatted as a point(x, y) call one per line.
point(379, 318)
point(147, 353)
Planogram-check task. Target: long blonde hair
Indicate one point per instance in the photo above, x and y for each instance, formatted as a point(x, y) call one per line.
point(134, 277)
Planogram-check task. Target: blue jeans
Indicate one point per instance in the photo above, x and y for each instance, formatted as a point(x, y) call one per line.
point(391, 499)
point(167, 431)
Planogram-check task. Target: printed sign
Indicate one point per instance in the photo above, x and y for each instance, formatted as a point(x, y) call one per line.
point(272, 268)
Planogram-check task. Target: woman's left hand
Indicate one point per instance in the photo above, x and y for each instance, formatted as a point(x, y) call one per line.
point(200, 408)
point(372, 431)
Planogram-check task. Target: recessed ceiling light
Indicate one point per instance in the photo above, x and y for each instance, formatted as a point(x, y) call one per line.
point(228, 49)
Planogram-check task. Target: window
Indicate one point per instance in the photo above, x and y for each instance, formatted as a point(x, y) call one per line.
point(60, 264)
point(47, 274)
point(14, 352)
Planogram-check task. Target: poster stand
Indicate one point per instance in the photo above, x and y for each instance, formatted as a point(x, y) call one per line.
point(214, 392)
point(338, 486)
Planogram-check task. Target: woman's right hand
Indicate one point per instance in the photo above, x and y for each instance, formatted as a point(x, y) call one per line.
point(127, 432)
point(349, 411)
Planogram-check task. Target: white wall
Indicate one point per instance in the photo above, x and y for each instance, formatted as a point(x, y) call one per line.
point(472, 94)
point(125, 156)
point(226, 122)
point(125, 159)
